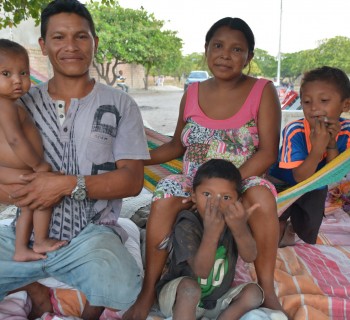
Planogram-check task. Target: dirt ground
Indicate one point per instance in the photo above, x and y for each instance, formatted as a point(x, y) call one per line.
point(159, 107)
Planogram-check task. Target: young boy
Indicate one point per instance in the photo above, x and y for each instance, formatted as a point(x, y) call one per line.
point(21, 150)
point(308, 144)
point(205, 246)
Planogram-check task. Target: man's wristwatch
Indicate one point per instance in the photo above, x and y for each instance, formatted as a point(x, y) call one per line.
point(79, 193)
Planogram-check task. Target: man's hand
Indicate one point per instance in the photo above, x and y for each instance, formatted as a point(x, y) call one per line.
point(43, 190)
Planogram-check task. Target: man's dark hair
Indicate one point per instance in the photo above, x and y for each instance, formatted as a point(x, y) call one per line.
point(65, 6)
point(334, 76)
point(218, 168)
point(9, 46)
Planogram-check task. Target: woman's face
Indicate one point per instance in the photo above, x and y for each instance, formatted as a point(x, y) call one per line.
point(227, 53)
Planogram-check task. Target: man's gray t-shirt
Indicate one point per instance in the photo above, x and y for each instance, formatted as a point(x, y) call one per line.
point(97, 130)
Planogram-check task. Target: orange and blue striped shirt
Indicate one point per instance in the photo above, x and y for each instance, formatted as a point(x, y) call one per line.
point(296, 146)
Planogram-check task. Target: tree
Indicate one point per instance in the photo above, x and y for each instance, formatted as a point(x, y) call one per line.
point(266, 63)
point(131, 36)
point(334, 52)
point(15, 11)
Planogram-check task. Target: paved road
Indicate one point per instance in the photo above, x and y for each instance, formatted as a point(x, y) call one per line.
point(159, 107)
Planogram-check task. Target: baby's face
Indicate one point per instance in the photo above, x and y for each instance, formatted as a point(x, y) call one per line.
point(212, 188)
point(14, 75)
point(321, 100)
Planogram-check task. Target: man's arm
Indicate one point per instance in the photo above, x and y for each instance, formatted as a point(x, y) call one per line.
point(46, 189)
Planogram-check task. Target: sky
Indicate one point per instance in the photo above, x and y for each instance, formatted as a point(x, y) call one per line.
point(304, 22)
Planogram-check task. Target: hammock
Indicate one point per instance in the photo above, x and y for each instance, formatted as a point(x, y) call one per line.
point(333, 172)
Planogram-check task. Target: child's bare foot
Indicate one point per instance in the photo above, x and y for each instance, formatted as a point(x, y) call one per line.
point(141, 308)
point(288, 238)
point(48, 245)
point(27, 254)
point(271, 302)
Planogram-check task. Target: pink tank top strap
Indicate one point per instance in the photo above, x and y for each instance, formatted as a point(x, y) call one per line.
point(192, 103)
point(254, 97)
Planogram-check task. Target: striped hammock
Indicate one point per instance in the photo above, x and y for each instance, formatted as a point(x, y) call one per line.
point(333, 172)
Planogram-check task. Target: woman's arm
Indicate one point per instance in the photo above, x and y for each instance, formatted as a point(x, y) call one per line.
point(269, 124)
point(174, 148)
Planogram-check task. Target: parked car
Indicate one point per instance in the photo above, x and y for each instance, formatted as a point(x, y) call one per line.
point(196, 76)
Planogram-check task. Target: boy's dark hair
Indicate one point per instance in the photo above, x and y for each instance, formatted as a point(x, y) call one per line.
point(65, 6)
point(234, 24)
point(9, 46)
point(218, 168)
point(334, 76)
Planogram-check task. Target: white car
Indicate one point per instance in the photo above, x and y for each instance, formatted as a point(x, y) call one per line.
point(196, 76)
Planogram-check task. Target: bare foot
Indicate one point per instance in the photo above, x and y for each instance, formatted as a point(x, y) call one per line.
point(40, 296)
point(271, 302)
point(48, 245)
point(288, 238)
point(27, 254)
point(141, 308)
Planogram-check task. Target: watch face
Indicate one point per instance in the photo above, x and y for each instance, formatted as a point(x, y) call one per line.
point(79, 194)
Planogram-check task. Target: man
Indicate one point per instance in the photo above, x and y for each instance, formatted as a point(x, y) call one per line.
point(93, 135)
point(121, 81)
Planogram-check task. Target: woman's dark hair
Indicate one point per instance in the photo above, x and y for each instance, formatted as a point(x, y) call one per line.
point(9, 46)
point(234, 24)
point(334, 76)
point(218, 168)
point(65, 6)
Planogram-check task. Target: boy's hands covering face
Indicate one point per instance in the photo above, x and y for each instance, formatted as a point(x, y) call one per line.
point(235, 215)
point(213, 219)
point(320, 136)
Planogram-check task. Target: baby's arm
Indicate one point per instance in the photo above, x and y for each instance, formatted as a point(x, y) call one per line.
point(214, 224)
point(236, 218)
point(10, 122)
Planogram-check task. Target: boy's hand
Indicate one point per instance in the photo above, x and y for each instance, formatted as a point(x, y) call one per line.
point(213, 220)
point(319, 137)
point(235, 215)
point(333, 127)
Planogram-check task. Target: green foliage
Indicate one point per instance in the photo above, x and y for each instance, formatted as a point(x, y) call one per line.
point(132, 36)
point(266, 63)
point(334, 53)
point(15, 11)
point(193, 61)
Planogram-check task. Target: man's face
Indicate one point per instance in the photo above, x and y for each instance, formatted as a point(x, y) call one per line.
point(69, 44)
